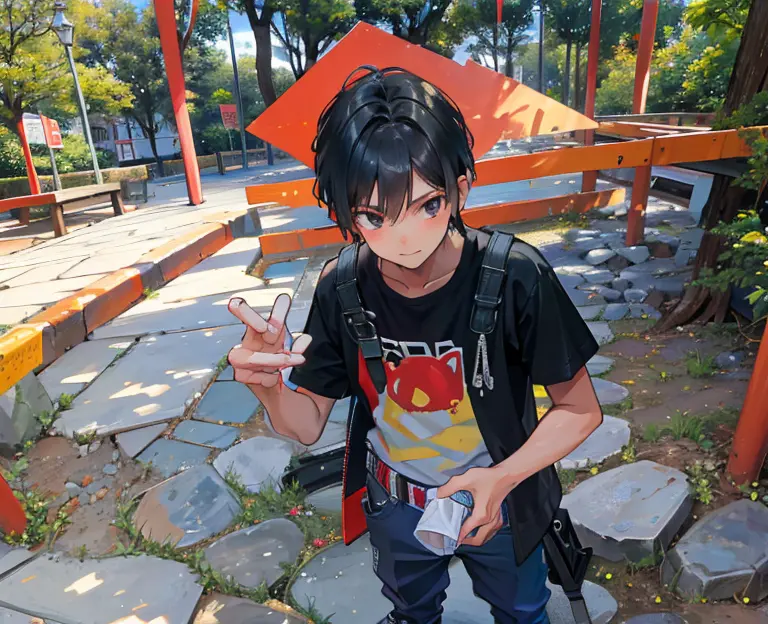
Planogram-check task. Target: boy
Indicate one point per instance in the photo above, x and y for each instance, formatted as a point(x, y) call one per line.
point(448, 410)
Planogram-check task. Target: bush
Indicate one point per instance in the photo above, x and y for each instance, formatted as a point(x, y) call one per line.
point(16, 187)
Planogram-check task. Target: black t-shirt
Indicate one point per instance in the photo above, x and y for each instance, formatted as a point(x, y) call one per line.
point(425, 425)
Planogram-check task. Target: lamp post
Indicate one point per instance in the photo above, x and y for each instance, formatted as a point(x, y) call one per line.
point(66, 33)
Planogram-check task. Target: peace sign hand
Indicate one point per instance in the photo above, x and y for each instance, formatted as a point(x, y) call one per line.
point(263, 353)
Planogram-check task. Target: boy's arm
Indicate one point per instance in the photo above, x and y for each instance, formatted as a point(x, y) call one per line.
point(300, 415)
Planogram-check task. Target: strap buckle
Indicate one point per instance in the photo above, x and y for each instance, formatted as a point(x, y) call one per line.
point(360, 325)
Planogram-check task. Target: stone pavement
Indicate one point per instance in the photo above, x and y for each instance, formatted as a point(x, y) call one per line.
point(154, 378)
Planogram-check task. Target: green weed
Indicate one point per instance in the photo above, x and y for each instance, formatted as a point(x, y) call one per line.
point(649, 561)
point(628, 453)
point(683, 425)
point(700, 477)
point(223, 363)
point(698, 366)
point(652, 432)
point(567, 476)
point(150, 293)
point(65, 401)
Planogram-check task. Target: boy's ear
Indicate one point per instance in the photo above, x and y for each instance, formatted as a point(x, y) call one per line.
point(463, 185)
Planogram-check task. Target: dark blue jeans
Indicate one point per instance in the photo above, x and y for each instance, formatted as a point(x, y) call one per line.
point(415, 579)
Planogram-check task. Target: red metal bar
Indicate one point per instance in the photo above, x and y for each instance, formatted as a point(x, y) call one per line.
point(34, 181)
point(12, 516)
point(644, 54)
point(169, 40)
point(637, 205)
point(750, 442)
point(589, 178)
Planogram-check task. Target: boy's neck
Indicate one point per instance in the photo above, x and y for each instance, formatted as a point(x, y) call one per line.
point(431, 275)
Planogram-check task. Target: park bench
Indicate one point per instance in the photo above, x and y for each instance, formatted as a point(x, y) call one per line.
point(701, 183)
point(78, 197)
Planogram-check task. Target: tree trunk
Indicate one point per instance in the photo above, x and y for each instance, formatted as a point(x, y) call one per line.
point(567, 77)
point(749, 76)
point(495, 46)
point(260, 25)
point(508, 60)
point(577, 80)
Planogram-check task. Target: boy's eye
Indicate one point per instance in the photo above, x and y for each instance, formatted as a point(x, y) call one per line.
point(432, 207)
point(369, 221)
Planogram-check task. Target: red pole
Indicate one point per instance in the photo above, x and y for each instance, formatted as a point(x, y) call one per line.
point(589, 178)
point(644, 54)
point(34, 181)
point(169, 40)
point(642, 183)
point(750, 443)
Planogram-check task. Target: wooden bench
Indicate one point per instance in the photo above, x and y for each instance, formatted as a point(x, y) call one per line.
point(78, 197)
point(701, 184)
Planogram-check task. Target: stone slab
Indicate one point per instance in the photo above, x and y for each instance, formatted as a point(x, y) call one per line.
point(107, 590)
point(643, 310)
point(154, 316)
point(598, 276)
point(575, 234)
point(599, 364)
point(255, 555)
point(206, 434)
point(570, 281)
point(221, 609)
point(171, 456)
point(79, 366)
point(187, 509)
point(630, 512)
point(590, 312)
point(227, 401)
point(20, 408)
point(608, 392)
point(606, 441)
point(635, 295)
point(615, 311)
point(601, 331)
point(134, 442)
point(585, 245)
point(341, 581)
point(259, 462)
point(45, 293)
point(14, 617)
point(151, 384)
point(18, 314)
point(636, 255)
point(11, 557)
point(281, 271)
point(724, 553)
point(599, 256)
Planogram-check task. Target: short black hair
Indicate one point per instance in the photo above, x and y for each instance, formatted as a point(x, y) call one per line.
point(381, 128)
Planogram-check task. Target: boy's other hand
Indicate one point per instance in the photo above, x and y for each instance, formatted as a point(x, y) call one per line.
point(262, 354)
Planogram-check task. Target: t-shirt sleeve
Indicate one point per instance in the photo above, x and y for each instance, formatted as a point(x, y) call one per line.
point(324, 372)
point(553, 341)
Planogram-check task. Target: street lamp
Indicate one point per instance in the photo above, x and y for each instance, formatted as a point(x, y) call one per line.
point(66, 33)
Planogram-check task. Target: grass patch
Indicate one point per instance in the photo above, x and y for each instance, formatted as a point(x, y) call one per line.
point(625, 406)
point(222, 363)
point(647, 562)
point(65, 401)
point(683, 425)
point(700, 367)
point(150, 293)
point(567, 477)
point(652, 432)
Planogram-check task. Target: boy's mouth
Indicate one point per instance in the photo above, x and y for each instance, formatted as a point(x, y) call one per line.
point(412, 254)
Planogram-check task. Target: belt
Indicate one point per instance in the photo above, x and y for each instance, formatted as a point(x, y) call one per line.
point(396, 484)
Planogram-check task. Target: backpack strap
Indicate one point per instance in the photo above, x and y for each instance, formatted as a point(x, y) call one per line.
point(357, 320)
point(488, 295)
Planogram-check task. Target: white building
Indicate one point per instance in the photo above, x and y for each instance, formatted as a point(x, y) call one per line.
point(126, 139)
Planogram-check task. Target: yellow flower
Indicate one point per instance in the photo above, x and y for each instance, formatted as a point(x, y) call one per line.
point(704, 601)
point(594, 470)
point(753, 496)
point(765, 263)
point(629, 584)
point(746, 600)
point(658, 599)
point(742, 215)
point(755, 484)
point(608, 576)
point(754, 237)
point(628, 382)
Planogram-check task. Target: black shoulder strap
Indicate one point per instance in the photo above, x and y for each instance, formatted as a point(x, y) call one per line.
point(356, 319)
point(488, 295)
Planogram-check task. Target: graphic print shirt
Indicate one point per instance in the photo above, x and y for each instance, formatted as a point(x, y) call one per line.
point(425, 425)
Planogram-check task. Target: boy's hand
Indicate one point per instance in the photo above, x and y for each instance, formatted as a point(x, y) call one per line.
point(261, 356)
point(488, 492)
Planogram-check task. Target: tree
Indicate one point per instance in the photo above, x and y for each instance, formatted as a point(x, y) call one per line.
point(260, 14)
point(570, 20)
point(749, 76)
point(495, 40)
point(34, 74)
point(307, 28)
point(417, 21)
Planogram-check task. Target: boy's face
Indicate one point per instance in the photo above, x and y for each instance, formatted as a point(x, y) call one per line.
point(419, 229)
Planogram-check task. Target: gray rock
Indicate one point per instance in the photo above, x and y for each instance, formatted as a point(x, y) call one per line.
point(666, 239)
point(20, 408)
point(630, 512)
point(609, 294)
point(590, 312)
point(683, 257)
point(653, 267)
point(617, 264)
point(170, 456)
point(82, 450)
point(635, 295)
point(115, 456)
point(227, 402)
point(604, 442)
point(599, 256)
point(645, 283)
point(612, 237)
point(95, 486)
point(620, 284)
point(570, 281)
point(109, 469)
point(724, 553)
point(221, 609)
point(187, 509)
point(582, 247)
point(597, 276)
point(259, 462)
point(254, 555)
point(621, 210)
point(327, 500)
point(94, 446)
point(341, 581)
point(599, 364)
point(573, 267)
point(73, 489)
point(607, 211)
point(608, 392)
point(584, 298)
point(643, 310)
point(573, 235)
point(206, 433)
point(615, 311)
point(84, 499)
point(601, 331)
point(134, 442)
point(95, 591)
point(672, 286)
point(728, 360)
point(636, 255)
point(691, 239)
point(657, 618)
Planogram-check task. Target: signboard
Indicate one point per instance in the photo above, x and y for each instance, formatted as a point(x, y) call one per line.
point(52, 133)
point(33, 129)
point(229, 116)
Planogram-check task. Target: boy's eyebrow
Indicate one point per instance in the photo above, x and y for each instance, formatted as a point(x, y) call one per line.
point(375, 208)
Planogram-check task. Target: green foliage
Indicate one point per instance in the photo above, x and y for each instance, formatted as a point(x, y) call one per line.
point(480, 20)
point(700, 366)
point(652, 433)
point(65, 401)
point(684, 425)
point(722, 19)
point(433, 24)
point(567, 477)
point(700, 478)
point(628, 452)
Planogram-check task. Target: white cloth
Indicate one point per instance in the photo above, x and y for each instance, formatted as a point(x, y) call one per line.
point(440, 524)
